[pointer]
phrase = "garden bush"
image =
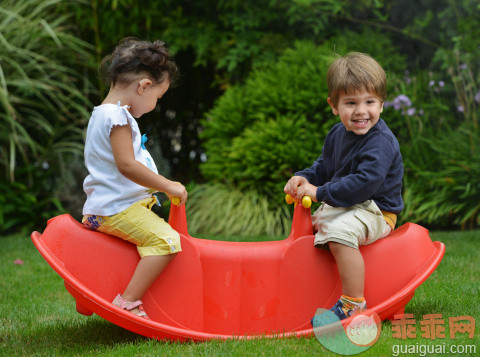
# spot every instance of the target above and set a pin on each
(435, 115)
(281, 109)
(43, 101)
(446, 189)
(218, 209)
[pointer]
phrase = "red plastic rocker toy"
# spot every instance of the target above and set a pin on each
(221, 290)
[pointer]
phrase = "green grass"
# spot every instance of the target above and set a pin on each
(38, 317)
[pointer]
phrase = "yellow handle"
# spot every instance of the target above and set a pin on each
(176, 200)
(289, 199)
(306, 201)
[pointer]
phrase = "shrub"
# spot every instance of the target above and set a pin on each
(424, 110)
(43, 101)
(217, 209)
(271, 126)
(446, 189)
(24, 208)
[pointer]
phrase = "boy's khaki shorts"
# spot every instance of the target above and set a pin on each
(354, 226)
(140, 226)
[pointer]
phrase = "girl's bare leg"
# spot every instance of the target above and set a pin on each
(148, 269)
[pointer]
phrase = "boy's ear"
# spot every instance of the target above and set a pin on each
(334, 109)
(143, 84)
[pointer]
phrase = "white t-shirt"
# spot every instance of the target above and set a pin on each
(108, 191)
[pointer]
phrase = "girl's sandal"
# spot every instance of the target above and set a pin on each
(120, 302)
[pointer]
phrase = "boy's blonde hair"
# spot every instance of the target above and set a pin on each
(353, 72)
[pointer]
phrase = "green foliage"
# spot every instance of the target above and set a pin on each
(42, 105)
(41, 94)
(214, 209)
(268, 152)
(264, 129)
(24, 207)
(373, 42)
(234, 35)
(229, 36)
(418, 106)
(440, 154)
(443, 37)
(15, 203)
(447, 188)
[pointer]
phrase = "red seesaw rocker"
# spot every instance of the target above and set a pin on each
(221, 290)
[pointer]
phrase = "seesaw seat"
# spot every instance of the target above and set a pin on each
(216, 289)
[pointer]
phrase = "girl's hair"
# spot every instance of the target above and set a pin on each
(353, 72)
(133, 58)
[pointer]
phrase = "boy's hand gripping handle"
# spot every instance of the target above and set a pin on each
(306, 201)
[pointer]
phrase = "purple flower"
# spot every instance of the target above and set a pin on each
(460, 108)
(388, 104)
(420, 112)
(441, 83)
(411, 111)
(401, 101)
(477, 97)
(463, 66)
(431, 83)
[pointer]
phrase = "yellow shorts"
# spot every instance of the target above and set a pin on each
(140, 226)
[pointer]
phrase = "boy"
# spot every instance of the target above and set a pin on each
(358, 177)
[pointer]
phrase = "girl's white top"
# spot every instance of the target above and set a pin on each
(108, 191)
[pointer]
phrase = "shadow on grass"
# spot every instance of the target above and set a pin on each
(78, 336)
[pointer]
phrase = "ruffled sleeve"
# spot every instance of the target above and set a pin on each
(117, 117)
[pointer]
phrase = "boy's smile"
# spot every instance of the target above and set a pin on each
(358, 111)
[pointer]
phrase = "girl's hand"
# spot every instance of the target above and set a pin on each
(292, 186)
(176, 189)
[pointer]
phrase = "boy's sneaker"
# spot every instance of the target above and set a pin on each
(341, 311)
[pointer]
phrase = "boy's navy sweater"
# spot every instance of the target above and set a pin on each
(355, 168)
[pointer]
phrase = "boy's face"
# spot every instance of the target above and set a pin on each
(358, 111)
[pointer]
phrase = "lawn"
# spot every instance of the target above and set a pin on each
(38, 317)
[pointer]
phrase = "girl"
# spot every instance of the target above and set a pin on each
(122, 175)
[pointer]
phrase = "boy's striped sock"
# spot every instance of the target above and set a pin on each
(345, 307)
(351, 305)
